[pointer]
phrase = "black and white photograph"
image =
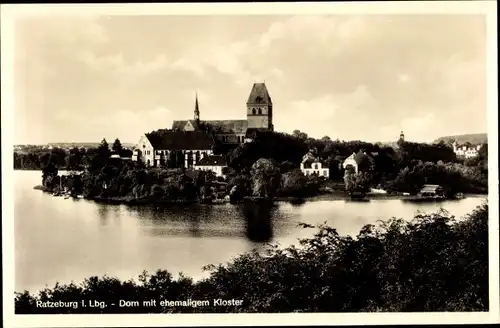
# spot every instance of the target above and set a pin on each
(295, 159)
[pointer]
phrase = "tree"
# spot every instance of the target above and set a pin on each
(74, 159)
(363, 181)
(293, 183)
(265, 178)
(300, 135)
(350, 180)
(49, 172)
(117, 147)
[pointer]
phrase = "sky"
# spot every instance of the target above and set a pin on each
(351, 77)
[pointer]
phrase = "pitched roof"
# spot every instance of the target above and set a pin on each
(427, 188)
(218, 126)
(227, 126)
(359, 158)
(212, 160)
(311, 160)
(180, 140)
(179, 125)
(259, 94)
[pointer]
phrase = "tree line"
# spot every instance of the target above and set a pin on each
(72, 159)
(269, 164)
(404, 168)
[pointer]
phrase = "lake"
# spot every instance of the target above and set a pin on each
(66, 240)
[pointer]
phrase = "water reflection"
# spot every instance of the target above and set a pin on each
(258, 218)
(103, 212)
(194, 220)
(68, 242)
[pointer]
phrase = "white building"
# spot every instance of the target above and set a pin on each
(315, 166)
(466, 150)
(214, 163)
(357, 161)
(154, 148)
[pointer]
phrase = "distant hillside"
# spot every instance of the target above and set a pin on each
(476, 138)
(84, 144)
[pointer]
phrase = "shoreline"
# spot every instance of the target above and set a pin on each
(335, 196)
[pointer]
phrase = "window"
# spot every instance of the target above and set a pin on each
(260, 111)
(315, 166)
(253, 111)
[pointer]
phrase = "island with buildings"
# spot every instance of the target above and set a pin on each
(219, 161)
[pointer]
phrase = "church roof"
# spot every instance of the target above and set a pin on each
(179, 125)
(218, 126)
(180, 140)
(228, 126)
(259, 94)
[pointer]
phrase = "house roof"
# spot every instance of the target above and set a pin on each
(259, 94)
(359, 158)
(312, 160)
(427, 188)
(212, 160)
(180, 140)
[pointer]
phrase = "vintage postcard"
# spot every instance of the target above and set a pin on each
(277, 163)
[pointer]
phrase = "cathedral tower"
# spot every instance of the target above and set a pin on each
(260, 108)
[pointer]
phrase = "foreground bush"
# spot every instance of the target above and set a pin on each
(432, 263)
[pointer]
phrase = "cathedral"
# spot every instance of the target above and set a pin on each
(195, 138)
(259, 118)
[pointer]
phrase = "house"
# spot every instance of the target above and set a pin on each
(188, 147)
(214, 163)
(429, 190)
(359, 161)
(466, 150)
(316, 166)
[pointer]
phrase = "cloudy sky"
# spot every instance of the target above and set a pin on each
(348, 77)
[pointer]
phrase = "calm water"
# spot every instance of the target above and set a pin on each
(65, 240)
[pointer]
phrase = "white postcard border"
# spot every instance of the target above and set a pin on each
(10, 12)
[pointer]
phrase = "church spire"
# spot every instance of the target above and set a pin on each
(196, 109)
